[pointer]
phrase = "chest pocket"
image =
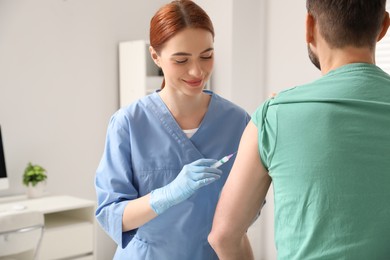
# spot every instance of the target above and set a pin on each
(147, 180)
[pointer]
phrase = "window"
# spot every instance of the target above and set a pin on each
(383, 50)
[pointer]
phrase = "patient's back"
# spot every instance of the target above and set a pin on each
(327, 147)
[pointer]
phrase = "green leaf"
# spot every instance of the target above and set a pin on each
(34, 174)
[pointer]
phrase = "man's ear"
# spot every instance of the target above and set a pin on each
(154, 56)
(385, 26)
(310, 24)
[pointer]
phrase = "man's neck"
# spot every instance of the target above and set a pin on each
(335, 58)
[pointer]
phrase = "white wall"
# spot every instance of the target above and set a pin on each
(238, 50)
(59, 86)
(59, 80)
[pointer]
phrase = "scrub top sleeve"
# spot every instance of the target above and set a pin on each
(247, 118)
(265, 119)
(114, 179)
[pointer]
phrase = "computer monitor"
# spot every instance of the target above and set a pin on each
(4, 184)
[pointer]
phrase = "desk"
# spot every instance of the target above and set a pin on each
(69, 225)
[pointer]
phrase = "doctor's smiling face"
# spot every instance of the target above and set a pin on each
(187, 60)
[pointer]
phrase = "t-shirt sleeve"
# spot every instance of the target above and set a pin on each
(266, 122)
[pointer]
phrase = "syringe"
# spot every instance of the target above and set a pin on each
(222, 161)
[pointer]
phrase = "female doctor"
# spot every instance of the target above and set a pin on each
(156, 190)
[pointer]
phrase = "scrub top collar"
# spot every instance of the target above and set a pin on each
(161, 111)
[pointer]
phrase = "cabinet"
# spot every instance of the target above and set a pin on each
(69, 231)
(138, 75)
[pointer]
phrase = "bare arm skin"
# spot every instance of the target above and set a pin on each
(241, 198)
(137, 212)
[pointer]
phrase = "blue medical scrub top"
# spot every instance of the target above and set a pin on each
(146, 149)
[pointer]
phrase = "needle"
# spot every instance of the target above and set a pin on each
(223, 160)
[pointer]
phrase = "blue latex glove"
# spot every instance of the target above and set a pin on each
(192, 177)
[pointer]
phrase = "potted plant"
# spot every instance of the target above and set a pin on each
(34, 178)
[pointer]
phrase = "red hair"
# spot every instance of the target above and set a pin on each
(174, 17)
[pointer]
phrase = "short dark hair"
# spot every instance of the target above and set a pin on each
(348, 22)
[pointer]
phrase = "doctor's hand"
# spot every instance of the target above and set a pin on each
(192, 177)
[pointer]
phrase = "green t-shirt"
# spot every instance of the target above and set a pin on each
(327, 148)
